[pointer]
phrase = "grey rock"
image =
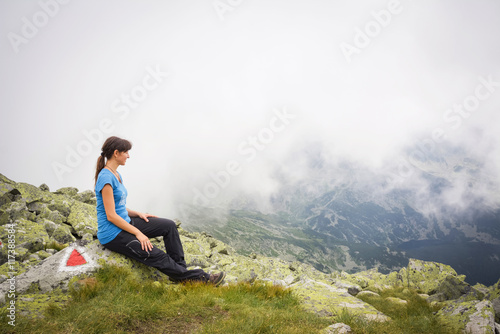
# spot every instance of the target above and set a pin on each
(44, 187)
(86, 239)
(453, 288)
(86, 196)
(37, 207)
(62, 234)
(476, 316)
(10, 212)
(353, 289)
(367, 293)
(496, 306)
(338, 328)
(82, 218)
(70, 191)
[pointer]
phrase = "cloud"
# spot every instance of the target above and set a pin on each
(226, 77)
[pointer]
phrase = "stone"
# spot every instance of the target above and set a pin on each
(352, 289)
(10, 212)
(322, 298)
(37, 207)
(338, 328)
(62, 234)
(86, 239)
(6, 190)
(496, 307)
(30, 193)
(425, 275)
(61, 204)
(453, 287)
(365, 293)
(44, 187)
(423, 295)
(87, 196)
(30, 237)
(494, 296)
(474, 317)
(397, 300)
(83, 219)
(69, 191)
(54, 216)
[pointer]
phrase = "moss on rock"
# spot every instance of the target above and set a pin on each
(473, 316)
(425, 276)
(83, 219)
(327, 300)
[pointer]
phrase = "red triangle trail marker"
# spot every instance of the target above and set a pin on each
(75, 259)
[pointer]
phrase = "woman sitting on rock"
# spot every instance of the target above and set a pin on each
(127, 231)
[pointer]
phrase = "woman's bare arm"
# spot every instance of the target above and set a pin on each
(109, 207)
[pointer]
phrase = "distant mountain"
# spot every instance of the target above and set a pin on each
(344, 216)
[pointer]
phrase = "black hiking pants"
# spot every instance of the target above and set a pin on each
(171, 262)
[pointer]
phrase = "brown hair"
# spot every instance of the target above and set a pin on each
(108, 149)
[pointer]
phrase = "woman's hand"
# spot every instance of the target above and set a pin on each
(145, 216)
(145, 242)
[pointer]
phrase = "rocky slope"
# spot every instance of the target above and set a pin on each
(51, 237)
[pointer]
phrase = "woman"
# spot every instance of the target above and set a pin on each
(127, 231)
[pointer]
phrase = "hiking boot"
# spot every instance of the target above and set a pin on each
(217, 279)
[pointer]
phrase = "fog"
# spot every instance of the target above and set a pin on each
(223, 98)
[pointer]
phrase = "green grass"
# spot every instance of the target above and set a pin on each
(55, 245)
(415, 317)
(115, 301)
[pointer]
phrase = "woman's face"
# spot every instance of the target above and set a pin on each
(121, 157)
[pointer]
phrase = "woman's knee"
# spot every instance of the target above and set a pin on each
(164, 223)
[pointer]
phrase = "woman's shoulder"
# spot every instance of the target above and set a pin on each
(105, 176)
(104, 173)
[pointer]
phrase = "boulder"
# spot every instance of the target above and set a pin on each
(87, 196)
(475, 317)
(353, 289)
(324, 299)
(452, 287)
(69, 191)
(365, 293)
(12, 211)
(44, 187)
(338, 328)
(397, 300)
(496, 307)
(61, 204)
(426, 276)
(30, 193)
(494, 296)
(83, 219)
(55, 216)
(29, 237)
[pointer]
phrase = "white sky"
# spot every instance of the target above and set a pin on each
(231, 65)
